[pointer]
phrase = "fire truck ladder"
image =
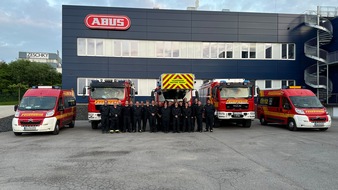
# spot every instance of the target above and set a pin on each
(317, 75)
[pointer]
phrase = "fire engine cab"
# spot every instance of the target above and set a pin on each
(233, 100)
(294, 107)
(44, 109)
(118, 91)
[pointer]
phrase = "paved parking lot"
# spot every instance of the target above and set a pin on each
(260, 157)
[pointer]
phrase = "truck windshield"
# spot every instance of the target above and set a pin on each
(306, 102)
(107, 93)
(235, 92)
(37, 103)
(175, 94)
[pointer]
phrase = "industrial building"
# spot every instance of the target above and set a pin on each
(270, 49)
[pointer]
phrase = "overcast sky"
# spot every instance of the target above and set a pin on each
(35, 25)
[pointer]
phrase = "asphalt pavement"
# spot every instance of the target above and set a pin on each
(231, 158)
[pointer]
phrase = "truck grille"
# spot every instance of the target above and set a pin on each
(316, 119)
(237, 106)
(30, 123)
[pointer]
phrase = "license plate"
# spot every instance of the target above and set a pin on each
(319, 124)
(28, 128)
(237, 115)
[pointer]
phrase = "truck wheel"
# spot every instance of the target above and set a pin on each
(17, 134)
(94, 124)
(323, 129)
(246, 123)
(262, 120)
(72, 124)
(56, 129)
(292, 125)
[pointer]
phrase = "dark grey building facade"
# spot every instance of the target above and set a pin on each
(262, 47)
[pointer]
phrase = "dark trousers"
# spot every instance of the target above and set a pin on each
(152, 123)
(105, 124)
(176, 124)
(126, 124)
(144, 126)
(209, 122)
(165, 125)
(192, 128)
(186, 124)
(199, 123)
(137, 124)
(114, 124)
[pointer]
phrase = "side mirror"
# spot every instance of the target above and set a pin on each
(16, 107)
(61, 108)
(286, 106)
(152, 95)
(136, 92)
(84, 91)
(196, 94)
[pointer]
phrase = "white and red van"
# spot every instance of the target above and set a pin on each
(45, 109)
(294, 107)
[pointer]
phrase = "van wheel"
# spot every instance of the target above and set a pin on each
(17, 134)
(72, 124)
(56, 129)
(262, 120)
(94, 124)
(246, 123)
(292, 125)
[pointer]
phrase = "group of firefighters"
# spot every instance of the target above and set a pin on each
(172, 116)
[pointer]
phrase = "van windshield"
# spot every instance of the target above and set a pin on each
(107, 93)
(37, 103)
(235, 92)
(306, 102)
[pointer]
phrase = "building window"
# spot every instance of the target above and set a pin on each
(252, 51)
(245, 50)
(268, 51)
(206, 50)
(268, 84)
(291, 50)
(184, 50)
(229, 50)
(284, 51)
(117, 48)
(134, 48)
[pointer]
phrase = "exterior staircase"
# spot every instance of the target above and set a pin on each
(316, 75)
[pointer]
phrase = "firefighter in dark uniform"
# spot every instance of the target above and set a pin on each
(209, 111)
(115, 112)
(165, 116)
(176, 113)
(152, 116)
(104, 110)
(126, 114)
(193, 119)
(198, 114)
(145, 115)
(131, 104)
(186, 117)
(137, 110)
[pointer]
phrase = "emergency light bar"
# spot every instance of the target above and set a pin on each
(294, 87)
(53, 87)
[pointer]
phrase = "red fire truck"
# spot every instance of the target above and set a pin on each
(118, 91)
(233, 100)
(174, 86)
(295, 107)
(45, 109)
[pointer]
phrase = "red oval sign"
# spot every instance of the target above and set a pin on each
(107, 22)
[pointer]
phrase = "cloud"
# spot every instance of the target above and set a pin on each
(35, 25)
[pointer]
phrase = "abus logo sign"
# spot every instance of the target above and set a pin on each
(107, 22)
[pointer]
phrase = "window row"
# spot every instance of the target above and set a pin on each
(185, 50)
